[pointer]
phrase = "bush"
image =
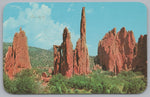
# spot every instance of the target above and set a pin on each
(59, 78)
(76, 91)
(58, 84)
(79, 82)
(9, 85)
(115, 90)
(134, 86)
(97, 89)
(126, 75)
(24, 83)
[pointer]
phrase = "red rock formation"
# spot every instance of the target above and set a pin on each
(57, 59)
(81, 56)
(45, 78)
(67, 54)
(96, 67)
(50, 71)
(17, 57)
(63, 56)
(68, 61)
(116, 51)
(44, 74)
(140, 61)
(75, 64)
(126, 45)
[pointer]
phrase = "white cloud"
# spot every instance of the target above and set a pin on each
(41, 30)
(69, 9)
(71, 4)
(102, 7)
(88, 11)
(14, 6)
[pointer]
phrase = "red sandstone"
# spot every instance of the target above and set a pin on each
(17, 57)
(116, 50)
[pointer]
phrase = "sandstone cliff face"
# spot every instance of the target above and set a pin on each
(116, 50)
(17, 57)
(68, 61)
(57, 59)
(63, 56)
(81, 57)
(67, 54)
(140, 61)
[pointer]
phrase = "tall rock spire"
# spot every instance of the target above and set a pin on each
(68, 61)
(63, 56)
(81, 64)
(83, 25)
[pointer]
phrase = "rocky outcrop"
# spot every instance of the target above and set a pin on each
(116, 50)
(81, 56)
(68, 61)
(126, 47)
(45, 78)
(67, 54)
(50, 71)
(57, 59)
(17, 57)
(97, 67)
(140, 61)
(63, 56)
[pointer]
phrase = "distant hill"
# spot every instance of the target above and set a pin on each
(40, 57)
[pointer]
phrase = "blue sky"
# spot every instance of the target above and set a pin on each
(44, 22)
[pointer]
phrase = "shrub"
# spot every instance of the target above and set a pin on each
(9, 85)
(134, 86)
(53, 90)
(115, 90)
(23, 83)
(97, 89)
(57, 79)
(76, 91)
(58, 84)
(26, 85)
(106, 87)
(79, 82)
(126, 74)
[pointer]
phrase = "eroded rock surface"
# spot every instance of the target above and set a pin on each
(81, 56)
(116, 50)
(63, 56)
(140, 61)
(68, 61)
(17, 57)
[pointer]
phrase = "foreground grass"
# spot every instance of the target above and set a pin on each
(101, 83)
(97, 82)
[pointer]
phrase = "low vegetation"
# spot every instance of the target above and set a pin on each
(99, 83)
(24, 83)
